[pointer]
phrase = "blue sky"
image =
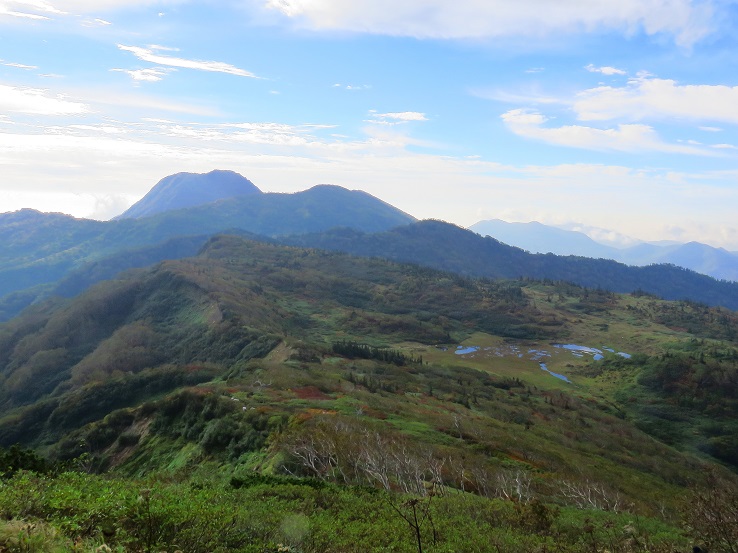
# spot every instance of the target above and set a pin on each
(618, 115)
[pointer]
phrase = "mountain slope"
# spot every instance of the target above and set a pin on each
(40, 249)
(716, 262)
(451, 248)
(277, 357)
(188, 190)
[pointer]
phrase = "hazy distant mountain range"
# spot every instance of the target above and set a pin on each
(43, 255)
(538, 238)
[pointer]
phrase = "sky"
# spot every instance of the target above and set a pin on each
(619, 115)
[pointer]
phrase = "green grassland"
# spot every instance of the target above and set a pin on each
(285, 384)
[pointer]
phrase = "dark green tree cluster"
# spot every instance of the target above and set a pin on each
(355, 350)
(16, 458)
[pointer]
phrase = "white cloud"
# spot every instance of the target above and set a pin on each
(605, 70)
(145, 105)
(687, 20)
(404, 116)
(22, 15)
(523, 118)
(163, 48)
(97, 22)
(647, 98)
(396, 118)
(623, 138)
(148, 54)
(35, 5)
(37, 102)
(352, 86)
(99, 6)
(105, 129)
(152, 75)
(17, 65)
(710, 129)
(28, 9)
(604, 236)
(530, 96)
(268, 134)
(98, 206)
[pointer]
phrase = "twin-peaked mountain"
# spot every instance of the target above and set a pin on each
(42, 255)
(39, 250)
(189, 190)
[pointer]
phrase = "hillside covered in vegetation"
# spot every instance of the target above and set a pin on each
(259, 397)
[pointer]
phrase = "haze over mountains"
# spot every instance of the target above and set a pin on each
(539, 238)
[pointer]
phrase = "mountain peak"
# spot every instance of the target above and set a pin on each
(183, 190)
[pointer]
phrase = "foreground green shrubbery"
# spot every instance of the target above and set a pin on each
(82, 512)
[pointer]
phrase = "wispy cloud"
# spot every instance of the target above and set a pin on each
(686, 20)
(97, 22)
(37, 102)
(28, 9)
(152, 74)
(149, 55)
(522, 96)
(17, 65)
(352, 86)
(649, 98)
(605, 70)
(81, 7)
(21, 15)
(396, 118)
(634, 138)
(161, 48)
(268, 134)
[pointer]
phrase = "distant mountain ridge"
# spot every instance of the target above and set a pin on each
(451, 248)
(536, 237)
(42, 255)
(184, 190)
(539, 238)
(38, 251)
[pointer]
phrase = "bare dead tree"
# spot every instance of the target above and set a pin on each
(711, 514)
(514, 485)
(416, 512)
(591, 495)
